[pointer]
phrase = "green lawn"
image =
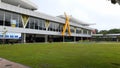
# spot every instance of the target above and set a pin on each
(64, 55)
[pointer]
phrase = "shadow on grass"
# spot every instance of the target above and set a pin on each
(116, 64)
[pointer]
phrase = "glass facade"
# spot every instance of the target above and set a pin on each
(35, 23)
(10, 19)
(89, 32)
(79, 31)
(20, 21)
(32, 23)
(85, 31)
(1, 18)
(72, 29)
(15, 20)
(55, 27)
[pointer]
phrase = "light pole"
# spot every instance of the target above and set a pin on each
(4, 33)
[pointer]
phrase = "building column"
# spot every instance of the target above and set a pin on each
(87, 32)
(23, 38)
(81, 38)
(18, 5)
(63, 38)
(46, 38)
(74, 39)
(117, 39)
(82, 31)
(91, 33)
(88, 39)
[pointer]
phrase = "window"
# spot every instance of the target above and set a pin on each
(57, 27)
(84, 31)
(7, 19)
(28, 24)
(40, 24)
(54, 27)
(32, 24)
(20, 21)
(61, 27)
(50, 27)
(15, 20)
(36, 23)
(43, 25)
(72, 29)
(1, 17)
(78, 31)
(89, 32)
(10, 19)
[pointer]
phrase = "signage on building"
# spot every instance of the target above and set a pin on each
(10, 36)
(13, 23)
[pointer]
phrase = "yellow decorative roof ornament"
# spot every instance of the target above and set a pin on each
(67, 25)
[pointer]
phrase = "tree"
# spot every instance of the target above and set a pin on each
(114, 31)
(103, 32)
(111, 31)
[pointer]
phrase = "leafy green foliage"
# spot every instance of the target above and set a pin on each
(103, 32)
(111, 31)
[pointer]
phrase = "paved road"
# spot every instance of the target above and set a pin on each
(8, 64)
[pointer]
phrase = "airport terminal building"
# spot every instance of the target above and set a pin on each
(20, 21)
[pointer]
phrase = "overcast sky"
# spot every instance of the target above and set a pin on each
(102, 12)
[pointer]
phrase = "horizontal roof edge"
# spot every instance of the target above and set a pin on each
(12, 8)
(23, 3)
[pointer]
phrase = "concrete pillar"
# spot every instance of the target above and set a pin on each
(117, 40)
(87, 32)
(91, 32)
(46, 38)
(0, 0)
(23, 38)
(81, 38)
(75, 30)
(34, 38)
(74, 39)
(18, 5)
(82, 31)
(63, 38)
(88, 39)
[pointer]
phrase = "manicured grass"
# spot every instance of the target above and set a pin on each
(64, 55)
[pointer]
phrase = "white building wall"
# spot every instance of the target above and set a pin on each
(36, 14)
(33, 31)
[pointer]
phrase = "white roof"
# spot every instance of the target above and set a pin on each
(74, 20)
(23, 3)
(106, 34)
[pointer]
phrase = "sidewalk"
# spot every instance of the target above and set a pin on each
(8, 64)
